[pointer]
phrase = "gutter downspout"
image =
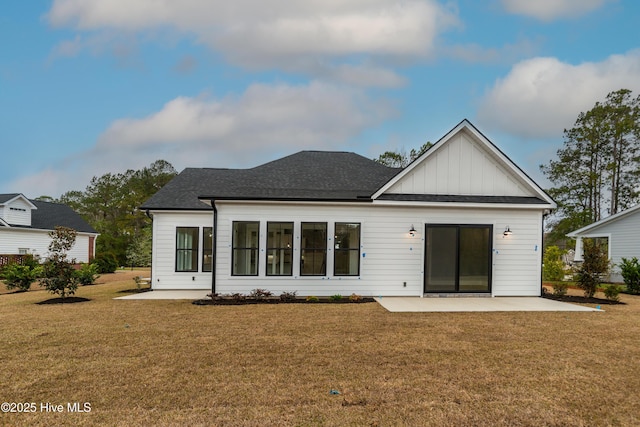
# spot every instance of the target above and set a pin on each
(545, 214)
(215, 244)
(151, 263)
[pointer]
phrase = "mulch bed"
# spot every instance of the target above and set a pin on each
(581, 299)
(67, 300)
(231, 301)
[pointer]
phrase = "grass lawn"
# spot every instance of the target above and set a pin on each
(174, 363)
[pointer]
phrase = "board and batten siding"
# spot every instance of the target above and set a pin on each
(462, 166)
(391, 261)
(37, 242)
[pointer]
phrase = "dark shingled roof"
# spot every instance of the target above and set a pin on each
(49, 215)
(445, 198)
(307, 175)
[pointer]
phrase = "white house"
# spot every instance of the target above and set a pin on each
(25, 225)
(622, 232)
(462, 218)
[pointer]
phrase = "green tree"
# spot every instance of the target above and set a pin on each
(59, 275)
(139, 251)
(597, 171)
(110, 204)
(553, 266)
(400, 159)
(594, 267)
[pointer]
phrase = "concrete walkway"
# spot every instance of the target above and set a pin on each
(417, 304)
(192, 295)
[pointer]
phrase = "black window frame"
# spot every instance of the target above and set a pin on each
(194, 256)
(207, 239)
(280, 249)
(253, 250)
(313, 248)
(338, 249)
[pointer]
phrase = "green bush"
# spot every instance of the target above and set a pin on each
(630, 270)
(336, 297)
(553, 266)
(87, 274)
(560, 288)
(594, 267)
(21, 276)
(59, 276)
(106, 262)
(611, 292)
(312, 298)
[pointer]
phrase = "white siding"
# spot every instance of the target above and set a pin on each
(37, 242)
(461, 166)
(390, 257)
(624, 240)
(19, 215)
(163, 261)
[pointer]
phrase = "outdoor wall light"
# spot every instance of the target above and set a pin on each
(412, 231)
(507, 231)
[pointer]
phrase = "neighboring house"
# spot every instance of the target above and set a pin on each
(462, 218)
(25, 225)
(622, 232)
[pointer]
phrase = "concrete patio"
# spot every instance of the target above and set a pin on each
(417, 304)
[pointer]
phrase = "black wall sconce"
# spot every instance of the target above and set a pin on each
(507, 232)
(412, 231)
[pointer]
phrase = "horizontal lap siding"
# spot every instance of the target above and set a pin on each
(37, 242)
(163, 271)
(392, 258)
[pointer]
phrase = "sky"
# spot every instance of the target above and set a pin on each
(89, 87)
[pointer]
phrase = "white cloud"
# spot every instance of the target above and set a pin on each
(548, 10)
(274, 33)
(541, 97)
(263, 123)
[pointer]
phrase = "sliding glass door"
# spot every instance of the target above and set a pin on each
(458, 258)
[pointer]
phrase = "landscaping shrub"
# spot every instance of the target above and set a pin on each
(594, 267)
(630, 270)
(288, 296)
(59, 276)
(260, 294)
(87, 274)
(553, 266)
(312, 298)
(21, 276)
(611, 292)
(336, 297)
(354, 298)
(106, 262)
(560, 288)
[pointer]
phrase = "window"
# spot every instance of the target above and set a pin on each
(279, 248)
(347, 249)
(245, 248)
(313, 255)
(187, 248)
(23, 251)
(207, 248)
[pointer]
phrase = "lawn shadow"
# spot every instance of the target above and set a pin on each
(67, 300)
